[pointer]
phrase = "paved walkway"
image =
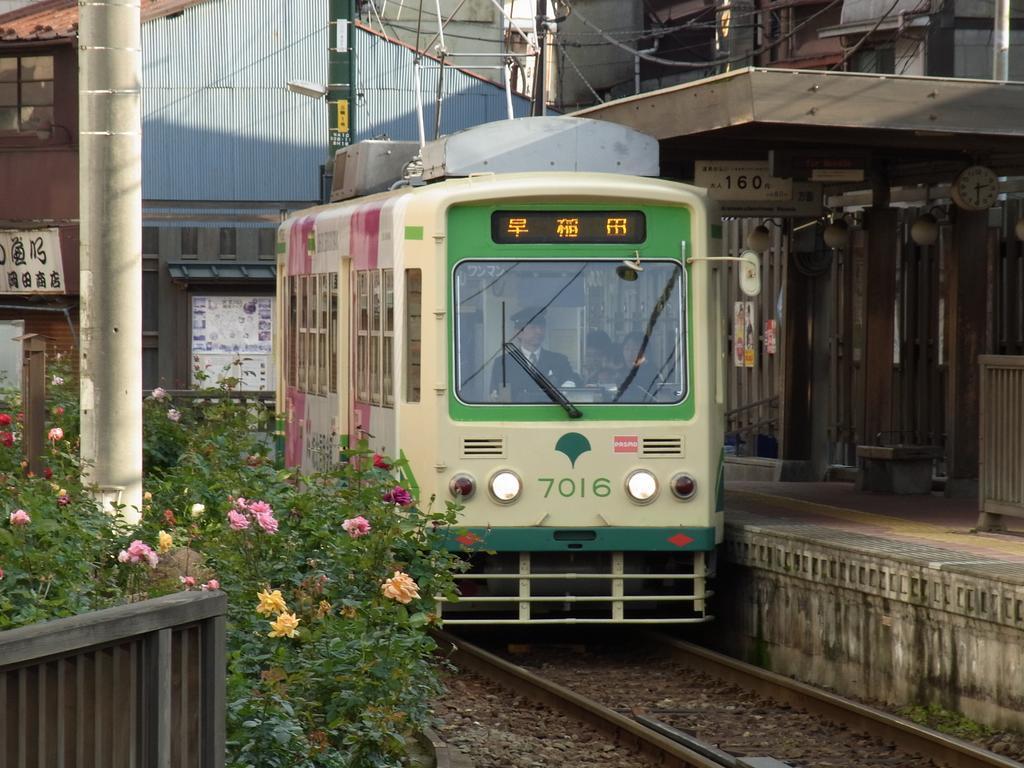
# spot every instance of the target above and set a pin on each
(930, 519)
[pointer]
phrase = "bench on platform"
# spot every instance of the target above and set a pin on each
(901, 469)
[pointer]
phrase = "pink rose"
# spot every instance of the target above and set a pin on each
(56, 433)
(187, 581)
(237, 521)
(20, 517)
(398, 495)
(356, 526)
(159, 393)
(137, 552)
(211, 584)
(266, 521)
(174, 415)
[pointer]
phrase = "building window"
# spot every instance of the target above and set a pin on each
(26, 93)
(189, 242)
(266, 243)
(150, 241)
(228, 242)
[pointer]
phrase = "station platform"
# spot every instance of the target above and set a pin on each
(890, 598)
(928, 521)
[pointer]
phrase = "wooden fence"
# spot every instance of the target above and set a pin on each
(138, 686)
(1001, 470)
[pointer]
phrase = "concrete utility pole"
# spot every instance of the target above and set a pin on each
(1001, 41)
(110, 192)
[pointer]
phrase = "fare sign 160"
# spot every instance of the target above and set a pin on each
(740, 180)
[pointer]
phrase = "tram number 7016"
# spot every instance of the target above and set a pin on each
(569, 487)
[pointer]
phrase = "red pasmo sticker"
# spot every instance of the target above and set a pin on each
(626, 444)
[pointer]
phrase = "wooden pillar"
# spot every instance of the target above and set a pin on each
(33, 398)
(797, 330)
(966, 324)
(879, 303)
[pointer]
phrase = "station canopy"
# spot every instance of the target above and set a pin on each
(907, 130)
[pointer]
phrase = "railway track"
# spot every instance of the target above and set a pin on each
(649, 729)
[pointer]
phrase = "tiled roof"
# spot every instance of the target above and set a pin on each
(58, 19)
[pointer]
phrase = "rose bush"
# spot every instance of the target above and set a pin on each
(331, 579)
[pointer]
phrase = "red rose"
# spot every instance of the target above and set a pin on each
(379, 463)
(7, 438)
(47, 473)
(5, 420)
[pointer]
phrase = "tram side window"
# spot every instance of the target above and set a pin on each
(333, 333)
(362, 336)
(322, 327)
(375, 324)
(375, 337)
(413, 326)
(292, 337)
(388, 337)
(304, 351)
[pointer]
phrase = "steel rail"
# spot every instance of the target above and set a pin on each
(667, 753)
(945, 750)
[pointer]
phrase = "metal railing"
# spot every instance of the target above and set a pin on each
(137, 686)
(1001, 438)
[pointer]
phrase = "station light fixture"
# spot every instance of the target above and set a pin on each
(837, 234)
(759, 238)
(307, 88)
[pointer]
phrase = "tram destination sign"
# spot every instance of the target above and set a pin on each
(568, 227)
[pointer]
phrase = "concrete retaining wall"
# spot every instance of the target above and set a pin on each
(873, 626)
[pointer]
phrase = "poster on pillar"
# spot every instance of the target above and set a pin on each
(749, 338)
(231, 337)
(743, 334)
(30, 262)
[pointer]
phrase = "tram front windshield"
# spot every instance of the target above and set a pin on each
(589, 331)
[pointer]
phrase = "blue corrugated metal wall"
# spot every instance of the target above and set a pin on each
(219, 123)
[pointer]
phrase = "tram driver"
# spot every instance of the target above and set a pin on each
(530, 327)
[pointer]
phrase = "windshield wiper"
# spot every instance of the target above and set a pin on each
(541, 380)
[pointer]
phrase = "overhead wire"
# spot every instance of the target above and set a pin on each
(864, 38)
(576, 69)
(710, 62)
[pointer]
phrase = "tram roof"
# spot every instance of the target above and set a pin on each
(914, 129)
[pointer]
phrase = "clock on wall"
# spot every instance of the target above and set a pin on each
(976, 188)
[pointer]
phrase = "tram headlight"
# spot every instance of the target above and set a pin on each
(684, 486)
(642, 486)
(506, 486)
(462, 486)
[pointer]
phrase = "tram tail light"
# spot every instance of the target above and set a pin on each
(684, 486)
(462, 486)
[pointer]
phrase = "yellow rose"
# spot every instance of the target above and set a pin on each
(286, 625)
(401, 587)
(271, 602)
(164, 542)
(323, 609)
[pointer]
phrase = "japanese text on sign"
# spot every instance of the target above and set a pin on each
(740, 180)
(568, 227)
(30, 261)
